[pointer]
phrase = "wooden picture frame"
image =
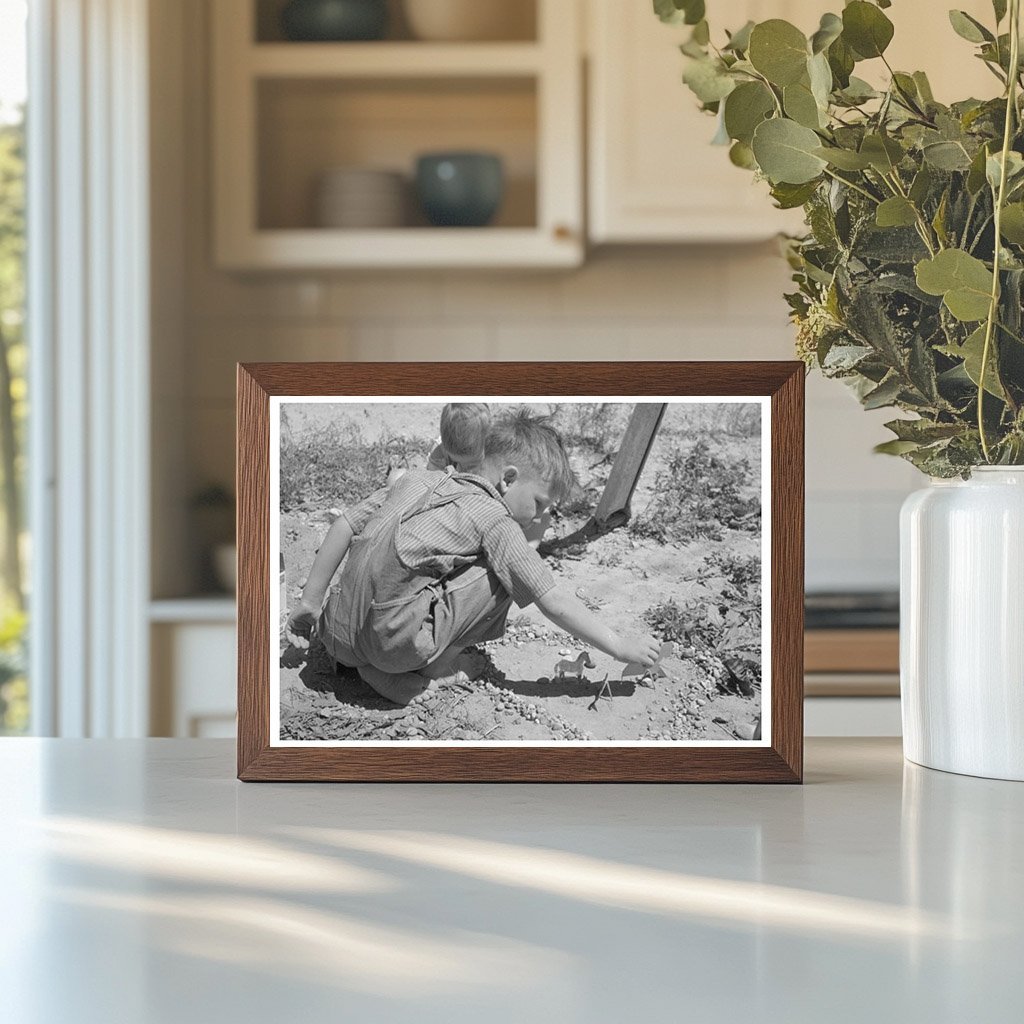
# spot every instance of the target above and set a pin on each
(779, 386)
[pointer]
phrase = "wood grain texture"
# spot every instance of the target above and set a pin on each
(782, 762)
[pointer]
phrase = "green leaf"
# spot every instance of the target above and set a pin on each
(745, 108)
(895, 447)
(1012, 224)
(971, 352)
(857, 91)
(999, 6)
(885, 394)
(939, 220)
(778, 50)
(946, 156)
(896, 212)
(841, 60)
(676, 12)
(963, 281)
(820, 76)
(789, 197)
(800, 105)
(844, 159)
(721, 137)
(924, 88)
(785, 152)
(923, 431)
(701, 33)
(742, 155)
(883, 153)
(739, 41)
(866, 29)
(830, 29)
(1014, 169)
(976, 175)
(969, 28)
(921, 186)
(708, 81)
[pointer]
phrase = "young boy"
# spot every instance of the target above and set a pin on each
(436, 562)
(464, 427)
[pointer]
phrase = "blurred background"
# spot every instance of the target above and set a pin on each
(246, 180)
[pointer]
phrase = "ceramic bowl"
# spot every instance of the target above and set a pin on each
(460, 189)
(357, 197)
(471, 20)
(334, 20)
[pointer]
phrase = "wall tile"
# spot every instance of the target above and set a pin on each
(443, 342)
(647, 284)
(412, 296)
(215, 347)
(211, 448)
(557, 341)
(213, 293)
(499, 297)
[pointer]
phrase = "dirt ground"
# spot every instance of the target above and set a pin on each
(709, 690)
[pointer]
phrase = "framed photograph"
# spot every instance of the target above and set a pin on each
(518, 572)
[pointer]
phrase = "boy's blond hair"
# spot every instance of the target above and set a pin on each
(529, 442)
(464, 427)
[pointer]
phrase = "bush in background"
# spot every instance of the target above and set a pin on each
(698, 496)
(335, 466)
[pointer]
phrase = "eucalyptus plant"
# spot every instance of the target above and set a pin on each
(909, 281)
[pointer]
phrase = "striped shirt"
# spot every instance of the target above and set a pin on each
(476, 525)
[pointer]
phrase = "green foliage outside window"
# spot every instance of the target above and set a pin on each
(13, 413)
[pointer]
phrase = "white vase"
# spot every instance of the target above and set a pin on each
(962, 624)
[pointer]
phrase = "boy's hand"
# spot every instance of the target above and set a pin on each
(299, 626)
(643, 651)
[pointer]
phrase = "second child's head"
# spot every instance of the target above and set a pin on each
(464, 427)
(526, 457)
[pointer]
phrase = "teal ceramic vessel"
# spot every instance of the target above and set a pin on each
(461, 190)
(333, 21)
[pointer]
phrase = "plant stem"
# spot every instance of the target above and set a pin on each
(993, 309)
(850, 184)
(922, 225)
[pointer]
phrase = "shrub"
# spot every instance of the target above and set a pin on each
(335, 466)
(597, 426)
(699, 495)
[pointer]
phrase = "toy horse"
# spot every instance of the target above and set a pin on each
(575, 667)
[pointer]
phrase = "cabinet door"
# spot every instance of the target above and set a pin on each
(654, 175)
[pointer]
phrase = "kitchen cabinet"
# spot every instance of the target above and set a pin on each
(653, 175)
(192, 653)
(287, 113)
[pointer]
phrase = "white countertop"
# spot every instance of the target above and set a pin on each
(143, 884)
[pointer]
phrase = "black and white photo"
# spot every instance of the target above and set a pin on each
(530, 571)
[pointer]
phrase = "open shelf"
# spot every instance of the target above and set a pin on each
(520, 17)
(393, 60)
(287, 113)
(308, 127)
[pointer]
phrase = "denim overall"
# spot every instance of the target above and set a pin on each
(397, 614)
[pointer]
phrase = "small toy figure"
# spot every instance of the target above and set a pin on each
(574, 667)
(646, 676)
(604, 692)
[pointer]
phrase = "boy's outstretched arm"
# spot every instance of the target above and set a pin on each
(325, 565)
(568, 612)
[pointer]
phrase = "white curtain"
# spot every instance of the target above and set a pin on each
(88, 319)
